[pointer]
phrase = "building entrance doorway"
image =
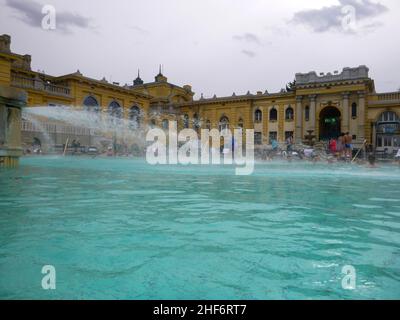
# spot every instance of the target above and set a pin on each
(329, 123)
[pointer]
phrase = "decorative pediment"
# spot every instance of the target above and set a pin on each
(330, 103)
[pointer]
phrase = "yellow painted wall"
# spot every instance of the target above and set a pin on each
(235, 108)
(5, 71)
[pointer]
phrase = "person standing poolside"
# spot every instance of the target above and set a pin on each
(397, 157)
(340, 145)
(289, 143)
(275, 145)
(348, 140)
(333, 146)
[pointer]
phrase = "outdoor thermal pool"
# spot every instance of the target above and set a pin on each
(122, 229)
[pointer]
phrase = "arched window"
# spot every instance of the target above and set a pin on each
(223, 123)
(307, 113)
(273, 115)
(258, 138)
(258, 116)
(115, 110)
(196, 122)
(354, 110)
(186, 121)
(165, 123)
(289, 114)
(90, 104)
(134, 117)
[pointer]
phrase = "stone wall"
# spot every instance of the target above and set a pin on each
(11, 102)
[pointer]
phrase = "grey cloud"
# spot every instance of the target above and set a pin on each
(30, 12)
(248, 37)
(250, 54)
(330, 18)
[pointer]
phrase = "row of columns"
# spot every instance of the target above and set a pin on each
(361, 116)
(299, 116)
(345, 115)
(299, 120)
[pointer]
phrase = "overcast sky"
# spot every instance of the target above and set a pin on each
(217, 46)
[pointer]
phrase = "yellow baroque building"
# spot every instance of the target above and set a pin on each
(320, 106)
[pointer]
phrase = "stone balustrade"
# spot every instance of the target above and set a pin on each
(389, 96)
(38, 84)
(28, 126)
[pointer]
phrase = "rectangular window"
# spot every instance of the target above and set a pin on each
(379, 142)
(387, 141)
(307, 113)
(273, 135)
(354, 110)
(396, 142)
(288, 134)
(257, 138)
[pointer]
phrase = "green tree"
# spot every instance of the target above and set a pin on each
(291, 86)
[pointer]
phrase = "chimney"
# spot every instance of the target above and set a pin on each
(5, 43)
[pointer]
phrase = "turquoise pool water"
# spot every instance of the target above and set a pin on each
(122, 229)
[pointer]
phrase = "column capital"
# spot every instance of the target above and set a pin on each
(346, 95)
(299, 98)
(361, 94)
(312, 97)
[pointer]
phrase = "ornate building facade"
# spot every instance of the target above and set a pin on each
(320, 106)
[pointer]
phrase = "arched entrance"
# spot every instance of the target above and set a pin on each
(329, 123)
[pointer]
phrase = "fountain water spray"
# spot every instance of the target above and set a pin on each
(101, 124)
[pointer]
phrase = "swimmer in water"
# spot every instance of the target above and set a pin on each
(372, 161)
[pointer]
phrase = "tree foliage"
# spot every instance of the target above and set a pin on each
(291, 86)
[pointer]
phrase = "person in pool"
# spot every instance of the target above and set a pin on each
(348, 140)
(372, 161)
